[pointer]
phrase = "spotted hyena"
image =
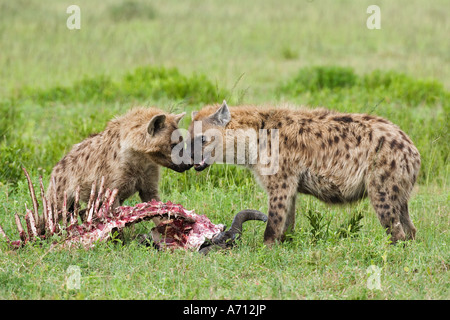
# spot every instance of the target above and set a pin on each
(336, 157)
(128, 154)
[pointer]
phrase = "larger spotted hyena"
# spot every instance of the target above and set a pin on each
(128, 154)
(336, 157)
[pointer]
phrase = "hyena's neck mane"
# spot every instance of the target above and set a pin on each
(248, 117)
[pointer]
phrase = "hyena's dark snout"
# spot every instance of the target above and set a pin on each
(181, 167)
(196, 152)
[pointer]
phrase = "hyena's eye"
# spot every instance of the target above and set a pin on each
(203, 139)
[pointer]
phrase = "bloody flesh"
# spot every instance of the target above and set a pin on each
(180, 228)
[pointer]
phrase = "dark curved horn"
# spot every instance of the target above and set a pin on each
(245, 215)
(206, 249)
(226, 239)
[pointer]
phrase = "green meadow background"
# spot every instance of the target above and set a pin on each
(58, 86)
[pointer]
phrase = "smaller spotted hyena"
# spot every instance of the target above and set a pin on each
(336, 157)
(128, 154)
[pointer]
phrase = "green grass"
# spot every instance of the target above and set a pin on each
(58, 86)
(303, 268)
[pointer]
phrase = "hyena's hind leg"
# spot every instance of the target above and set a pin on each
(406, 222)
(390, 202)
(391, 176)
(387, 212)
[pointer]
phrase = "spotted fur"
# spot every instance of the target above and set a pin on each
(336, 157)
(128, 154)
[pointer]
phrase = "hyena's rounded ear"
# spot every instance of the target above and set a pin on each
(156, 124)
(180, 116)
(222, 116)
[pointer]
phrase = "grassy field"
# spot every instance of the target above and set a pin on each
(57, 86)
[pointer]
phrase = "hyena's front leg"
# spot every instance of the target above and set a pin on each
(148, 194)
(290, 219)
(282, 195)
(148, 185)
